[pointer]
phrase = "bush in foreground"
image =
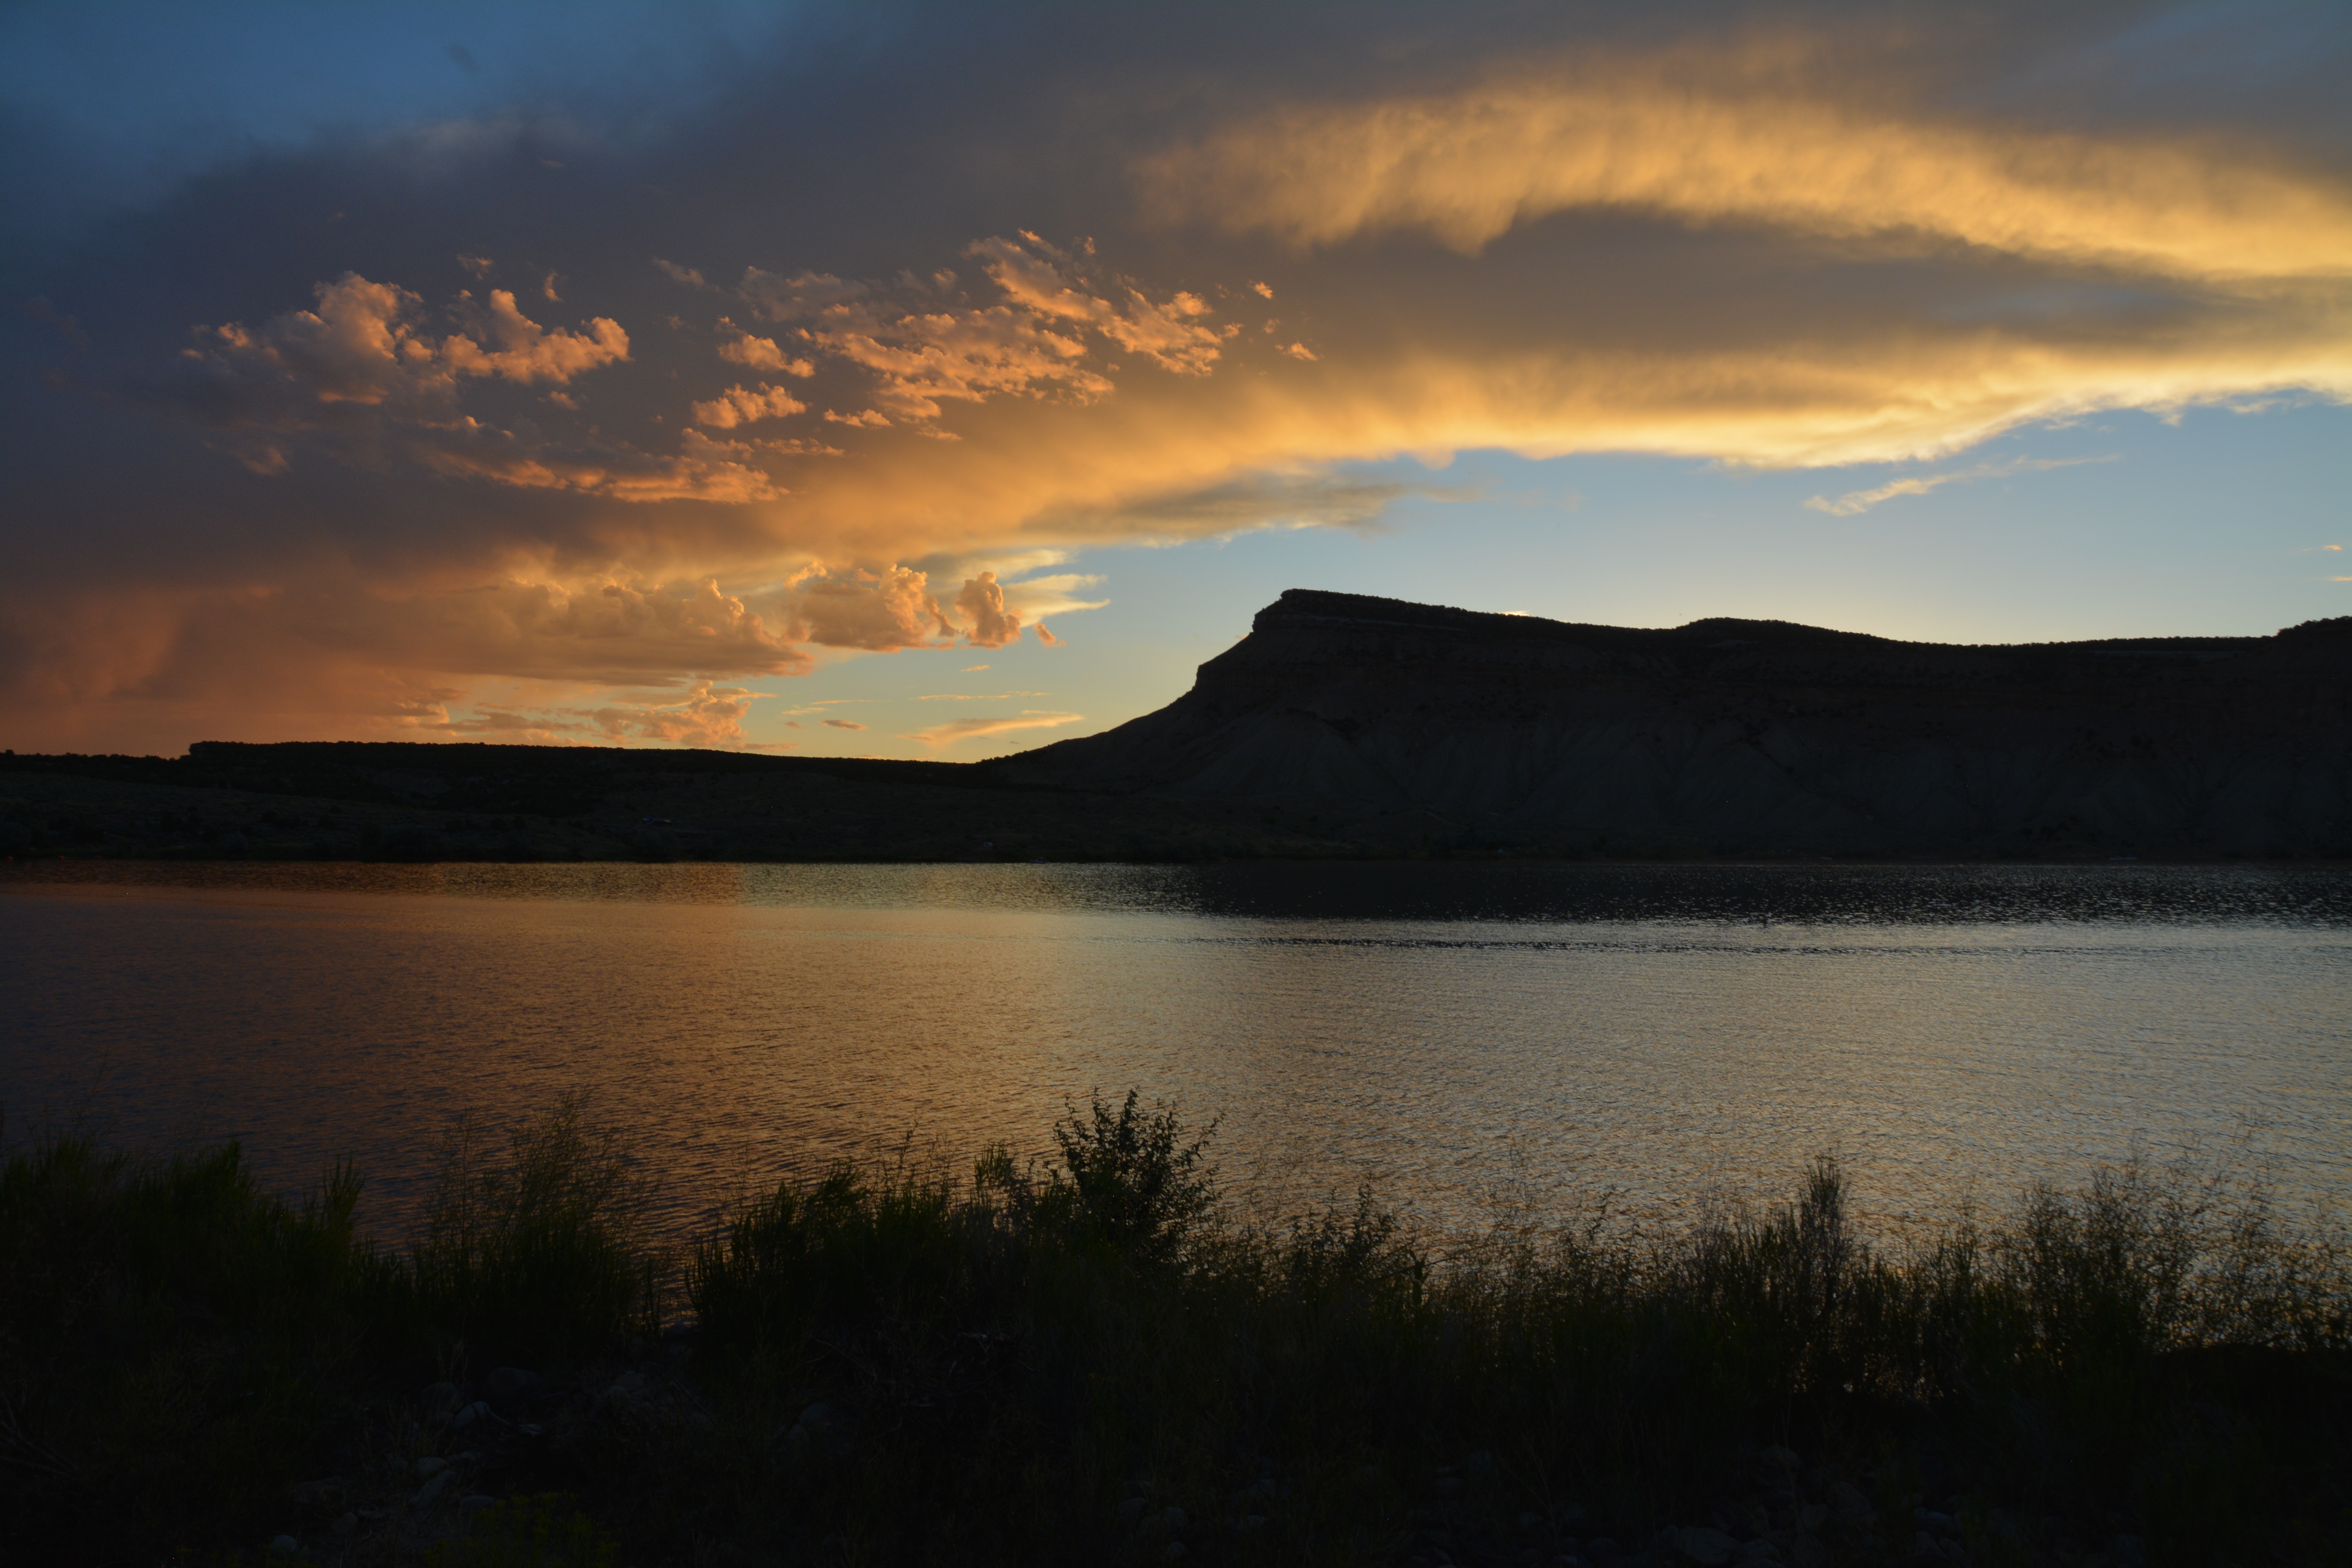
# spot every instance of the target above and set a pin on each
(1094, 1360)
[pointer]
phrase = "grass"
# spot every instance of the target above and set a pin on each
(1095, 1359)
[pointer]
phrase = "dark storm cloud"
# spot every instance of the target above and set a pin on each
(596, 389)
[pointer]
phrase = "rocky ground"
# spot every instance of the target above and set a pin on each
(427, 1475)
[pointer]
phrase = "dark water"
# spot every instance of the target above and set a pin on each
(1672, 1034)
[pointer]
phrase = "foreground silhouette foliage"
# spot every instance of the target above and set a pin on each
(1094, 1358)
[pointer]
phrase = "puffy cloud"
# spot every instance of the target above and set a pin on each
(505, 342)
(882, 609)
(879, 609)
(957, 729)
(1046, 281)
(740, 405)
(923, 342)
(361, 348)
(761, 353)
(988, 622)
(361, 368)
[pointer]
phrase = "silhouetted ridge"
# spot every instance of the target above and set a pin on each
(1391, 723)
(1306, 608)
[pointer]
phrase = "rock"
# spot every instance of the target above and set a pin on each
(1782, 1459)
(1529, 1520)
(475, 1502)
(346, 1524)
(285, 1546)
(1751, 1553)
(512, 1390)
(432, 1490)
(439, 1398)
(1850, 1500)
(1173, 1519)
(310, 1494)
(478, 1411)
(1480, 1465)
(1812, 1515)
(1254, 1521)
(818, 1417)
(1696, 1543)
(1603, 1549)
(1172, 1551)
(1131, 1510)
(430, 1465)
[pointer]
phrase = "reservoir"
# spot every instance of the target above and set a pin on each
(1469, 1039)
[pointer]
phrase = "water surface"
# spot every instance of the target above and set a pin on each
(1670, 1035)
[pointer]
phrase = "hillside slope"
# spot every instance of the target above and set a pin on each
(1388, 724)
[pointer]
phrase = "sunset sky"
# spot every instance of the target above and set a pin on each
(943, 380)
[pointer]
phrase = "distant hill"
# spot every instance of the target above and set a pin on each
(1387, 724)
(1344, 725)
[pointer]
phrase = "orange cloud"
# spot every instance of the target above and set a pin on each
(1737, 145)
(990, 624)
(737, 406)
(362, 347)
(759, 354)
(708, 471)
(959, 729)
(922, 344)
(508, 344)
(710, 716)
(880, 610)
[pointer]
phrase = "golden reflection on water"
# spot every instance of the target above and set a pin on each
(1456, 1039)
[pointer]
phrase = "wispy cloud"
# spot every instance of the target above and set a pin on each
(1855, 501)
(974, 697)
(956, 730)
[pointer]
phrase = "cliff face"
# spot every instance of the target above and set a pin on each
(1393, 723)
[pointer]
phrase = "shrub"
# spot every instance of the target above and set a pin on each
(542, 1254)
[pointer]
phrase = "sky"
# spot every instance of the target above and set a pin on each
(934, 381)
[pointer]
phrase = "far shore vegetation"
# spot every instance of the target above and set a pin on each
(1097, 1358)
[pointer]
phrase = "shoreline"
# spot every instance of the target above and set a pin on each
(1090, 1358)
